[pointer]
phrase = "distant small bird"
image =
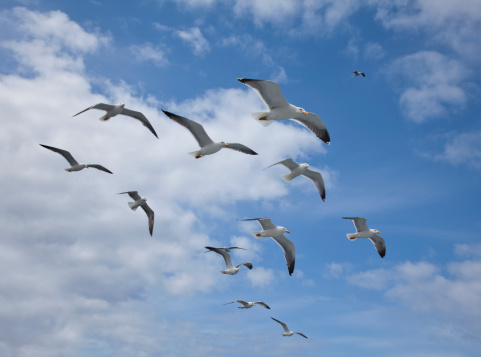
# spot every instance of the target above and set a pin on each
(75, 165)
(280, 109)
(356, 73)
(230, 269)
(113, 110)
(362, 231)
(207, 146)
(276, 233)
(142, 202)
(288, 332)
(302, 169)
(227, 249)
(248, 305)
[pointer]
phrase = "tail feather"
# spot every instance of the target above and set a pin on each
(258, 115)
(287, 177)
(351, 236)
(104, 117)
(255, 233)
(132, 206)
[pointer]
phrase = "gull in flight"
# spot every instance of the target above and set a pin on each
(207, 146)
(362, 231)
(302, 169)
(248, 305)
(227, 249)
(75, 165)
(113, 110)
(288, 332)
(280, 109)
(356, 73)
(230, 269)
(142, 202)
(276, 233)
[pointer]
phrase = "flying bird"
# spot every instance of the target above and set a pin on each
(288, 332)
(356, 73)
(142, 202)
(276, 233)
(113, 110)
(227, 249)
(280, 109)
(362, 231)
(75, 165)
(230, 269)
(207, 146)
(302, 169)
(248, 305)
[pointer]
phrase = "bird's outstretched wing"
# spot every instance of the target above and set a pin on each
(289, 163)
(318, 181)
(315, 124)
(150, 215)
(379, 244)
(289, 251)
(101, 106)
(270, 92)
(225, 255)
(133, 194)
(64, 153)
(265, 223)
(241, 148)
(141, 117)
(282, 323)
(100, 167)
(195, 128)
(359, 223)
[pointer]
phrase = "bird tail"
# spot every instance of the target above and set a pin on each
(287, 177)
(261, 117)
(351, 236)
(257, 234)
(104, 117)
(132, 206)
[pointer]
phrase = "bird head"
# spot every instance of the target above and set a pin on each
(85, 166)
(284, 229)
(226, 145)
(375, 231)
(303, 111)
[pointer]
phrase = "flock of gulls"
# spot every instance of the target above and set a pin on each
(279, 109)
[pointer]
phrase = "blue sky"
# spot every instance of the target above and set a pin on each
(80, 273)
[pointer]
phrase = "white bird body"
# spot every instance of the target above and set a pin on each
(209, 149)
(300, 170)
(134, 205)
(356, 73)
(362, 231)
(77, 167)
(116, 109)
(271, 232)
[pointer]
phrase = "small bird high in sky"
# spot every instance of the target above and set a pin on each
(248, 305)
(356, 73)
(141, 202)
(230, 269)
(280, 109)
(288, 332)
(75, 165)
(113, 110)
(362, 231)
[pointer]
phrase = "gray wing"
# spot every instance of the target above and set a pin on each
(260, 303)
(99, 167)
(282, 323)
(229, 248)
(100, 106)
(359, 223)
(133, 194)
(318, 181)
(150, 214)
(239, 301)
(141, 117)
(241, 148)
(315, 124)
(379, 244)
(289, 163)
(264, 222)
(270, 92)
(225, 255)
(289, 251)
(301, 334)
(195, 128)
(247, 264)
(64, 153)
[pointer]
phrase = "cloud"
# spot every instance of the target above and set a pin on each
(463, 149)
(147, 52)
(194, 38)
(433, 85)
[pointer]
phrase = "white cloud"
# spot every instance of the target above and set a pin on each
(194, 38)
(434, 85)
(147, 52)
(463, 149)
(373, 50)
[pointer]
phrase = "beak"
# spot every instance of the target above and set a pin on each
(305, 113)
(288, 232)
(86, 166)
(227, 145)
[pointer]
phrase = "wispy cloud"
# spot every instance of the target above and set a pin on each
(194, 38)
(147, 52)
(463, 149)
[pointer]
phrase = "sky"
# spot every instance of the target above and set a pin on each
(80, 274)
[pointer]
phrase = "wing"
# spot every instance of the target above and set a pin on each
(195, 128)
(315, 124)
(247, 264)
(64, 153)
(141, 117)
(151, 215)
(260, 303)
(224, 254)
(289, 163)
(241, 148)
(289, 251)
(264, 222)
(362, 74)
(99, 167)
(269, 91)
(316, 178)
(282, 323)
(133, 194)
(359, 223)
(100, 106)
(301, 334)
(229, 248)
(379, 244)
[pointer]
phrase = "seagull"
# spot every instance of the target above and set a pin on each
(356, 73)
(230, 269)
(279, 109)
(302, 169)
(362, 231)
(248, 305)
(276, 233)
(142, 202)
(288, 332)
(113, 110)
(227, 249)
(207, 146)
(75, 165)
